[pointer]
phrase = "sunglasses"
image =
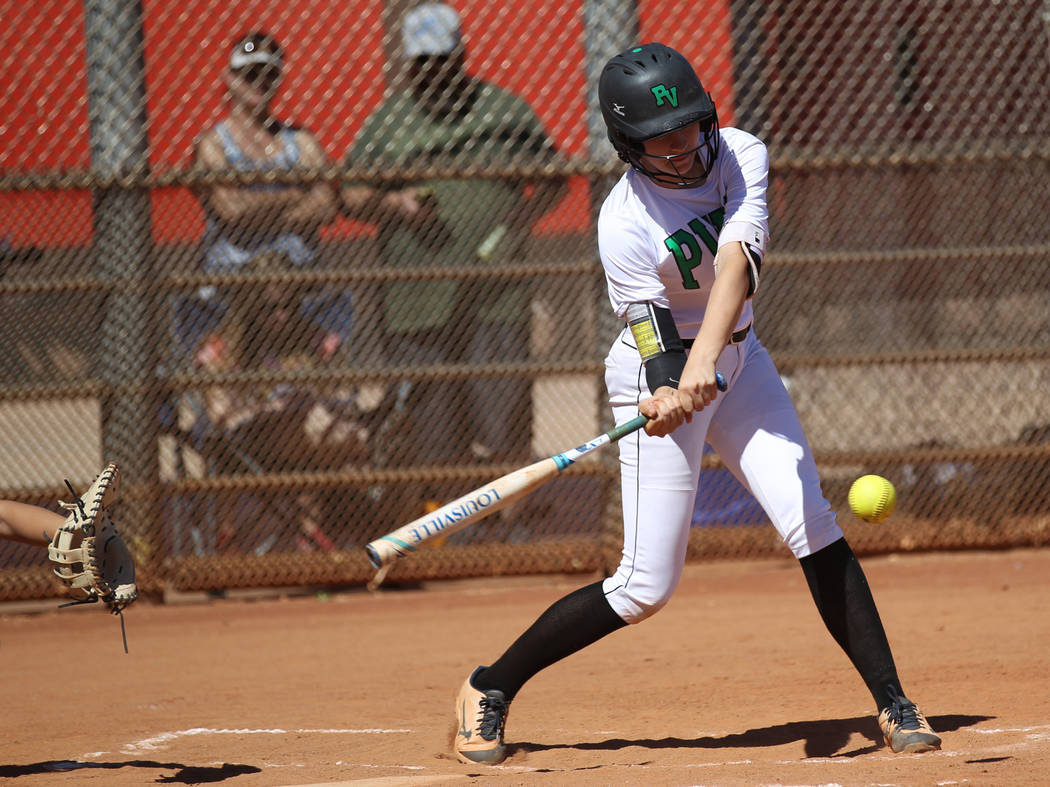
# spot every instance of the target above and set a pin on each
(260, 75)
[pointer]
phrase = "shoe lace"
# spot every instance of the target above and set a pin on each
(493, 712)
(904, 713)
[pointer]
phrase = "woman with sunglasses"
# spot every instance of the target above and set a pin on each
(266, 229)
(247, 221)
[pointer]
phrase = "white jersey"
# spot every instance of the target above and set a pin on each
(658, 244)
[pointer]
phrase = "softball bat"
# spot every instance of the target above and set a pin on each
(491, 497)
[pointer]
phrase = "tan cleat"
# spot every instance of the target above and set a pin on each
(906, 729)
(482, 716)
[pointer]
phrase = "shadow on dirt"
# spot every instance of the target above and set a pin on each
(822, 738)
(185, 774)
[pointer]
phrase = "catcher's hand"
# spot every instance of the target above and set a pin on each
(88, 552)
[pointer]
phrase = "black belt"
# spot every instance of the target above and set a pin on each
(736, 338)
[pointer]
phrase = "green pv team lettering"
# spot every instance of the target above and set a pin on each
(685, 245)
(662, 93)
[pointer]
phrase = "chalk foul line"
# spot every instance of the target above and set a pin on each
(157, 741)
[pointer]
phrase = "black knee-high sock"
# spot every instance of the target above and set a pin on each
(844, 600)
(569, 624)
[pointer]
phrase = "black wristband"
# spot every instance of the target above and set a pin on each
(664, 369)
(661, 348)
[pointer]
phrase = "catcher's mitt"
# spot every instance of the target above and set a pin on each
(88, 552)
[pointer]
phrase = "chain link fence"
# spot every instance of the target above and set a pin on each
(308, 270)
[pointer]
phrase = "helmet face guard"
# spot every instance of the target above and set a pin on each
(700, 159)
(649, 91)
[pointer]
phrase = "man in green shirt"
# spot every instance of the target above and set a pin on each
(448, 119)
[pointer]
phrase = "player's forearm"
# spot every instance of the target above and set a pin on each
(723, 307)
(28, 524)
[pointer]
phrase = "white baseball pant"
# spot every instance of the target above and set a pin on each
(755, 430)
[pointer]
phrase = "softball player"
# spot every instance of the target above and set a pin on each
(681, 237)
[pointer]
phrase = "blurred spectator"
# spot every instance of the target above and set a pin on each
(263, 224)
(268, 230)
(44, 346)
(245, 223)
(444, 117)
(277, 427)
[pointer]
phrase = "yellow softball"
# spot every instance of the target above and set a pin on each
(872, 498)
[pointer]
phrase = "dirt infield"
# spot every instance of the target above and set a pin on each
(736, 682)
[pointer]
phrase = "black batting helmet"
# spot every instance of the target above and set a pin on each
(651, 90)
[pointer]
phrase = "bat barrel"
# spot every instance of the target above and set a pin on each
(373, 557)
(490, 498)
(463, 511)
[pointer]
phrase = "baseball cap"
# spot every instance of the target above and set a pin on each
(256, 49)
(430, 29)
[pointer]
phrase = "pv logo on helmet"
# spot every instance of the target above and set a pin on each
(661, 94)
